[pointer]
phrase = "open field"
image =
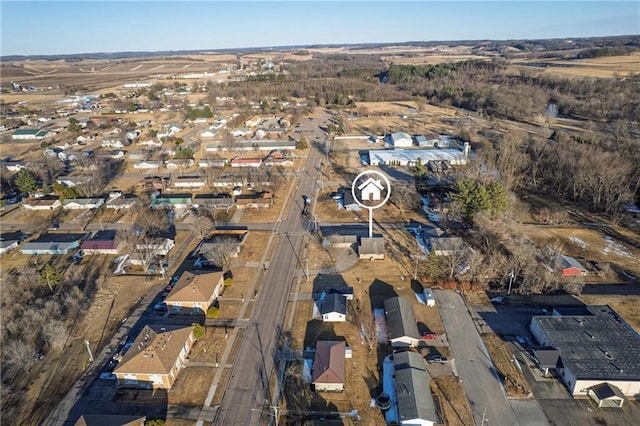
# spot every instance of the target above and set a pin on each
(602, 67)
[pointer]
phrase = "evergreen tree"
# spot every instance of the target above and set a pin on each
(25, 181)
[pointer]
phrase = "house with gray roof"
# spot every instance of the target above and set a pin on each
(596, 346)
(413, 394)
(401, 323)
(334, 308)
(371, 248)
(53, 244)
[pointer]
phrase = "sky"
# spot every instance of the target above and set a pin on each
(53, 27)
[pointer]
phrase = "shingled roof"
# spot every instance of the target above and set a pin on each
(154, 351)
(195, 287)
(328, 365)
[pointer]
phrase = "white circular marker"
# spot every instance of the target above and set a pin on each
(370, 189)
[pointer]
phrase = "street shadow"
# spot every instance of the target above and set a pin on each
(379, 291)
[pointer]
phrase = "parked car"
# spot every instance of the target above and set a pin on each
(498, 300)
(427, 335)
(160, 307)
(433, 358)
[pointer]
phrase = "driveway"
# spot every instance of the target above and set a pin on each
(473, 364)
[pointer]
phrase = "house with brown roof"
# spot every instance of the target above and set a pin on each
(328, 370)
(42, 203)
(155, 358)
(194, 292)
(110, 420)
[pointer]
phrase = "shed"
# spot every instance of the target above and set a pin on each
(606, 395)
(569, 266)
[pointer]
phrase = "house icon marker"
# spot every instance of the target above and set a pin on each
(370, 190)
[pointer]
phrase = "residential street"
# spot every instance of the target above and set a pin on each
(481, 383)
(248, 387)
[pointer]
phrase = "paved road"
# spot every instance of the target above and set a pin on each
(473, 364)
(248, 387)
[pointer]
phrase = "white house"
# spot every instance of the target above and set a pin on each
(207, 134)
(147, 164)
(43, 203)
(82, 203)
(174, 164)
(150, 142)
(415, 405)
(334, 308)
(112, 143)
(189, 182)
(160, 246)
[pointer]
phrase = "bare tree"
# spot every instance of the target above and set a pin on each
(153, 222)
(221, 253)
(364, 321)
(19, 354)
(404, 197)
(202, 225)
(55, 333)
(146, 251)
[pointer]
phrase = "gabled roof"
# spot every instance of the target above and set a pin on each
(82, 201)
(401, 320)
(448, 244)
(328, 364)
(371, 245)
(334, 302)
(412, 388)
(570, 262)
(154, 351)
(195, 287)
(110, 420)
(607, 390)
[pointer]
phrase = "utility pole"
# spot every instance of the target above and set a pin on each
(86, 343)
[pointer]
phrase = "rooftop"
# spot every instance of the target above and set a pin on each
(329, 362)
(455, 156)
(412, 388)
(154, 351)
(600, 346)
(194, 287)
(400, 318)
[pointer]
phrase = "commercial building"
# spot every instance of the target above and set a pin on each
(595, 345)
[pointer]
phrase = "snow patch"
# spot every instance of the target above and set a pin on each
(306, 370)
(389, 387)
(381, 325)
(579, 242)
(615, 248)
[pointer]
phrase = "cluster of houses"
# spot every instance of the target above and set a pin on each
(408, 382)
(159, 352)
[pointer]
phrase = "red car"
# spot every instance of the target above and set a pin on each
(427, 335)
